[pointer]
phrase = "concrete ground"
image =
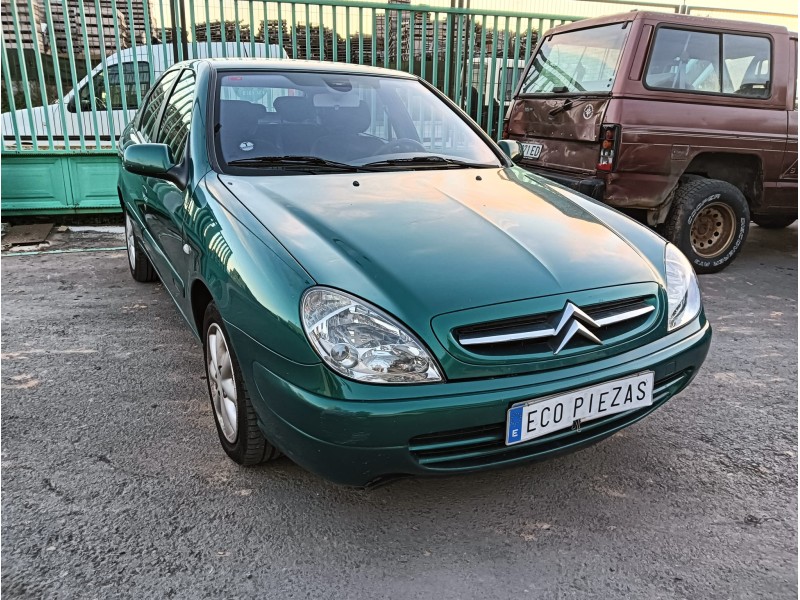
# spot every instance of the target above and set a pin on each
(114, 483)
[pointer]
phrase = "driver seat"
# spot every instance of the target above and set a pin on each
(345, 139)
(238, 133)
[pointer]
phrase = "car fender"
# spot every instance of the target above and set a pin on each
(255, 283)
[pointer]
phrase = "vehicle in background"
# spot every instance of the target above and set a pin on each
(113, 93)
(490, 84)
(687, 123)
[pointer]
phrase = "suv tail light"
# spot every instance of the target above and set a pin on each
(609, 144)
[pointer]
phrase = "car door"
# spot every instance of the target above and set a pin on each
(163, 201)
(138, 189)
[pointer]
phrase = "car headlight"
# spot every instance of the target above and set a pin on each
(683, 293)
(362, 342)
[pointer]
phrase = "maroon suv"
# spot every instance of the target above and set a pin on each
(687, 123)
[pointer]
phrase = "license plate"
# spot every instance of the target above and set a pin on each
(531, 150)
(535, 418)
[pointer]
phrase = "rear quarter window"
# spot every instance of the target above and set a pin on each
(684, 60)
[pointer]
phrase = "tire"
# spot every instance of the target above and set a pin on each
(708, 221)
(234, 416)
(774, 221)
(138, 263)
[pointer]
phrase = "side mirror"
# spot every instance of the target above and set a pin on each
(71, 104)
(511, 149)
(147, 159)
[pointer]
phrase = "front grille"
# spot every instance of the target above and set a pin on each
(485, 445)
(540, 329)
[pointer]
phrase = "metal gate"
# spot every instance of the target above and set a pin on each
(74, 71)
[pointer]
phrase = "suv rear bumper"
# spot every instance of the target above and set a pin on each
(592, 186)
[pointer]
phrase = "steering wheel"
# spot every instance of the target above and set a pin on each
(401, 145)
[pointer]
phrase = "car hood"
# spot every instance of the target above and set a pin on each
(437, 241)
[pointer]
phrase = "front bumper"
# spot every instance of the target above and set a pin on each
(589, 186)
(452, 427)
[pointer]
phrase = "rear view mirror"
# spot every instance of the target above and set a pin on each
(147, 159)
(511, 149)
(336, 100)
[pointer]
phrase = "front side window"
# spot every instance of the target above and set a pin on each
(348, 119)
(699, 61)
(581, 61)
(148, 121)
(174, 130)
(118, 86)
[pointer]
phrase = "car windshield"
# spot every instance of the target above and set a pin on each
(582, 61)
(312, 121)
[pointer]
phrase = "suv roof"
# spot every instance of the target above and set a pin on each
(666, 17)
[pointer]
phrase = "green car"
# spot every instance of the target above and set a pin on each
(378, 289)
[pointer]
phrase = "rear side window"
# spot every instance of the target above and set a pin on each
(746, 65)
(712, 63)
(149, 118)
(174, 130)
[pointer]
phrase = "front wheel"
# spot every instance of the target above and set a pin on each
(234, 415)
(708, 221)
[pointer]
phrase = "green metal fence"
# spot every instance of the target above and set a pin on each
(125, 45)
(75, 71)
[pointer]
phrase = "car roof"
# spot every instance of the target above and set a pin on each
(672, 18)
(288, 64)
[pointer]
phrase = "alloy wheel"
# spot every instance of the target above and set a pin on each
(221, 382)
(130, 241)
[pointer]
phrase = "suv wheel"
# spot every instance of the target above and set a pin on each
(708, 221)
(139, 264)
(234, 415)
(774, 221)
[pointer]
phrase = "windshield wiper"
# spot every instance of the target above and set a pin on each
(291, 161)
(428, 161)
(568, 104)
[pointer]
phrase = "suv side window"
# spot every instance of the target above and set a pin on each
(174, 130)
(747, 64)
(148, 120)
(716, 63)
(684, 60)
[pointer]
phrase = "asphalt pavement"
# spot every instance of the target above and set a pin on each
(114, 484)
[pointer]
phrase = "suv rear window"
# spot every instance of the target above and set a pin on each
(712, 63)
(579, 61)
